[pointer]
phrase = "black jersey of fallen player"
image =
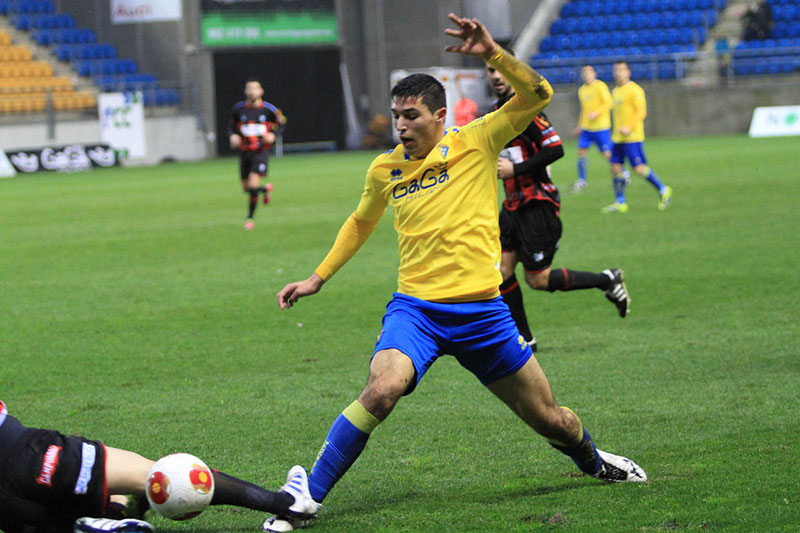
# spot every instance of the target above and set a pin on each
(532, 151)
(252, 123)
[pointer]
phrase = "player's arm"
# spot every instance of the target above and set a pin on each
(234, 139)
(352, 235)
(546, 155)
(605, 97)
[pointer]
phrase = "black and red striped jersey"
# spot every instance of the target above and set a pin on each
(251, 123)
(531, 152)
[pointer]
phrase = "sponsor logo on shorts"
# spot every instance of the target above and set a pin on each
(49, 466)
(88, 456)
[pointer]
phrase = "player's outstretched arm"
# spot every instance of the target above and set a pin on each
(294, 291)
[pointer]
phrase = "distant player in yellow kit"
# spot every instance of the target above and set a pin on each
(442, 186)
(594, 124)
(629, 112)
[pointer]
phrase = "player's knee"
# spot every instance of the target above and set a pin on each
(382, 393)
(642, 170)
(538, 280)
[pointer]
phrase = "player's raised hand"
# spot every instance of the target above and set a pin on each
(476, 40)
(294, 291)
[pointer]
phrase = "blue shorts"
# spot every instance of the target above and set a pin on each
(601, 138)
(633, 152)
(481, 335)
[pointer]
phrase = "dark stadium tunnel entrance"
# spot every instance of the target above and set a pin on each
(303, 82)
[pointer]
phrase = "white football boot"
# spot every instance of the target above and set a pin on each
(105, 525)
(617, 469)
(304, 507)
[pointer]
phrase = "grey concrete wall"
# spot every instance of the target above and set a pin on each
(675, 110)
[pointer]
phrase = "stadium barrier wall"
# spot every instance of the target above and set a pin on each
(174, 137)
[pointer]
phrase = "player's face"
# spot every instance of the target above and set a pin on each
(253, 91)
(498, 83)
(418, 128)
(622, 74)
(588, 74)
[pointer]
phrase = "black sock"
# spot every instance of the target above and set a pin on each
(229, 490)
(262, 189)
(512, 294)
(253, 203)
(561, 279)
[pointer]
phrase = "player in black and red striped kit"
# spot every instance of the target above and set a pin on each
(251, 130)
(530, 223)
(54, 483)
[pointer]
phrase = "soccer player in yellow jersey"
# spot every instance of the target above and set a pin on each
(629, 112)
(594, 124)
(442, 187)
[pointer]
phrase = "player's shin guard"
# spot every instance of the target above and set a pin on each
(345, 442)
(512, 294)
(583, 452)
(654, 181)
(561, 279)
(582, 168)
(620, 182)
(229, 490)
(253, 203)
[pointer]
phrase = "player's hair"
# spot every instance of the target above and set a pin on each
(622, 62)
(255, 79)
(588, 65)
(424, 85)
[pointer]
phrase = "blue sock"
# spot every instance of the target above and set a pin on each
(584, 454)
(653, 179)
(620, 182)
(345, 442)
(582, 168)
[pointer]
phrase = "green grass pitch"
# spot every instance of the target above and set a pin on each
(136, 310)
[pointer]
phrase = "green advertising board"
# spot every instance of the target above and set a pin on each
(268, 29)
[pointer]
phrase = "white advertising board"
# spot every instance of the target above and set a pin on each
(775, 121)
(129, 11)
(122, 123)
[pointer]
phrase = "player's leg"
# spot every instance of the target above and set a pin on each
(391, 373)
(253, 183)
(527, 392)
(512, 295)
(584, 143)
(510, 289)
(620, 178)
(639, 162)
(261, 167)
(390, 376)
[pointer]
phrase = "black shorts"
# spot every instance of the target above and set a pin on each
(48, 480)
(250, 162)
(533, 231)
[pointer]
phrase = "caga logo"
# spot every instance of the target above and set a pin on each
(431, 179)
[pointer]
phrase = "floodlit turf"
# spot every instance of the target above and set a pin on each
(136, 310)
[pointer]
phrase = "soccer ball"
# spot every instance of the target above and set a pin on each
(180, 486)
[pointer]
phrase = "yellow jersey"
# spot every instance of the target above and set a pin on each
(445, 205)
(630, 109)
(595, 98)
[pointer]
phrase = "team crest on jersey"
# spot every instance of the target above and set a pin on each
(444, 150)
(262, 118)
(397, 174)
